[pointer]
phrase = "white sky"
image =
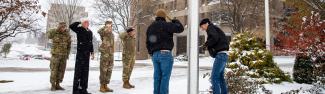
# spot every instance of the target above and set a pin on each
(45, 6)
(92, 16)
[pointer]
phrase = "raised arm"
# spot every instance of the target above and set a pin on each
(74, 26)
(49, 33)
(177, 26)
(100, 32)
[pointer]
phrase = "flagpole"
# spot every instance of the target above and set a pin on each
(193, 71)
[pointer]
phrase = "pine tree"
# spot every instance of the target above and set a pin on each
(248, 53)
(6, 49)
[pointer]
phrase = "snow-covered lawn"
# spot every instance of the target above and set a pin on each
(32, 76)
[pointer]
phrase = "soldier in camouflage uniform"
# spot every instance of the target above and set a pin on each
(106, 58)
(61, 43)
(128, 58)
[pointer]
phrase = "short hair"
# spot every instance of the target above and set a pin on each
(108, 22)
(84, 20)
(161, 13)
(204, 21)
(62, 24)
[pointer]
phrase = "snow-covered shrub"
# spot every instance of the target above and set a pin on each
(317, 88)
(319, 69)
(305, 38)
(181, 58)
(309, 70)
(238, 84)
(303, 69)
(247, 51)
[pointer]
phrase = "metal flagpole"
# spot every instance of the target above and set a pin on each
(193, 71)
(267, 25)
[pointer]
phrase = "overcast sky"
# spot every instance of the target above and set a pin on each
(45, 6)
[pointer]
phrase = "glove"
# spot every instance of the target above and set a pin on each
(175, 21)
(204, 47)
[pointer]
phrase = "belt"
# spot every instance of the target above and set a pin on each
(164, 50)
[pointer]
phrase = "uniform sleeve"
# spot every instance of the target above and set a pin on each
(74, 26)
(69, 44)
(49, 33)
(122, 37)
(100, 32)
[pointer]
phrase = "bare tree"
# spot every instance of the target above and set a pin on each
(318, 5)
(18, 16)
(119, 11)
(244, 14)
(65, 10)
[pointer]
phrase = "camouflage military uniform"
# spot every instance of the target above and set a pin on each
(61, 43)
(106, 57)
(128, 57)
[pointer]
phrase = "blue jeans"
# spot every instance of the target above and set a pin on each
(163, 64)
(219, 85)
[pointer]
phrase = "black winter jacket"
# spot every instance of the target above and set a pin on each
(217, 40)
(84, 37)
(160, 34)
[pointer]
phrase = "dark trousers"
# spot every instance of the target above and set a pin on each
(81, 73)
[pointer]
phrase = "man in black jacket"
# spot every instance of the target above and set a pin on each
(84, 51)
(218, 46)
(160, 44)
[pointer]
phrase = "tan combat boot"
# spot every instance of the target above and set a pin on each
(53, 87)
(108, 89)
(58, 87)
(127, 85)
(104, 88)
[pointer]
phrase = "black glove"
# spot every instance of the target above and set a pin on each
(175, 21)
(204, 47)
(129, 30)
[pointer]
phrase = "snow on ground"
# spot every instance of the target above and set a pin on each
(26, 49)
(32, 76)
(27, 80)
(285, 63)
(38, 82)
(286, 86)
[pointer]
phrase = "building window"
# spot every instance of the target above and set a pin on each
(181, 46)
